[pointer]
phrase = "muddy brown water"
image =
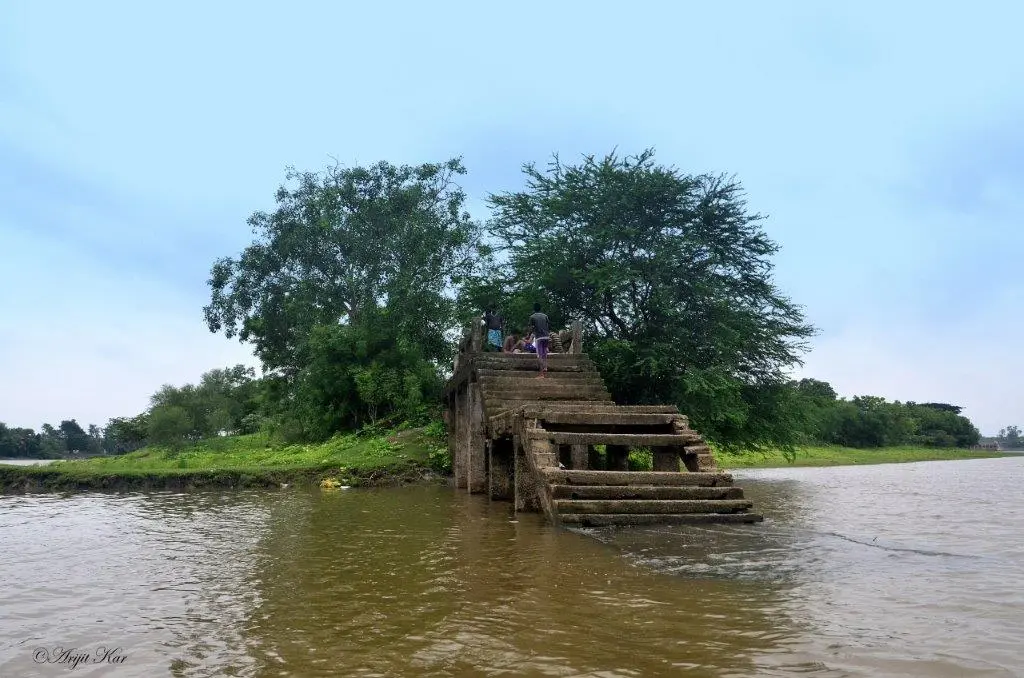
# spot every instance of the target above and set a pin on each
(895, 570)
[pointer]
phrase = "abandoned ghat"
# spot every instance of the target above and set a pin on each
(895, 570)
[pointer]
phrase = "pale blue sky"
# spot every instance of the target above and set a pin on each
(884, 140)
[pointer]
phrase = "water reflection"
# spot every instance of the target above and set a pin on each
(878, 571)
(424, 582)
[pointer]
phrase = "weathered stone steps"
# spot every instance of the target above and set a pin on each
(528, 378)
(540, 389)
(606, 418)
(652, 506)
(644, 492)
(534, 424)
(534, 366)
(606, 519)
(626, 439)
(569, 477)
(539, 409)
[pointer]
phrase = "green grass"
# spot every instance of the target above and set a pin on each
(250, 460)
(847, 456)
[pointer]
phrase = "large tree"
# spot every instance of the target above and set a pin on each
(671, 276)
(343, 243)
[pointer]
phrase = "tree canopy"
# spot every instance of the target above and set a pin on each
(670, 275)
(344, 243)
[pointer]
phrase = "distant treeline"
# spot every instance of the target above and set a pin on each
(870, 421)
(224, 401)
(233, 401)
(1010, 438)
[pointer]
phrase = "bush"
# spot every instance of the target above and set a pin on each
(169, 425)
(641, 460)
(439, 458)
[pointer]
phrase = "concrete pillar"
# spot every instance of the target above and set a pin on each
(565, 455)
(461, 433)
(666, 458)
(578, 457)
(618, 457)
(525, 490)
(501, 469)
(690, 462)
(577, 337)
(476, 460)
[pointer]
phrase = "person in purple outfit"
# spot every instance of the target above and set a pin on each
(541, 326)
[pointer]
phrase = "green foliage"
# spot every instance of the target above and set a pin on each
(436, 430)
(169, 425)
(260, 452)
(251, 423)
(671, 277)
(125, 434)
(219, 403)
(75, 439)
(870, 421)
(359, 374)
(19, 442)
(342, 244)
(439, 457)
(833, 455)
(641, 460)
(1011, 438)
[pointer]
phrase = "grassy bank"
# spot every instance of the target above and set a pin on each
(847, 456)
(242, 461)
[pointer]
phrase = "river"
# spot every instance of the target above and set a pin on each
(893, 570)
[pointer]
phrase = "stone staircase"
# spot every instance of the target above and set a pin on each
(567, 445)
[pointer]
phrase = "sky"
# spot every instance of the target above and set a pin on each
(884, 142)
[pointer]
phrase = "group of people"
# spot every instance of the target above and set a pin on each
(537, 337)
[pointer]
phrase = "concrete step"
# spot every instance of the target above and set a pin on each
(644, 492)
(605, 519)
(521, 396)
(539, 408)
(549, 385)
(570, 477)
(607, 418)
(524, 374)
(565, 506)
(626, 439)
(531, 366)
(520, 358)
(501, 414)
(530, 377)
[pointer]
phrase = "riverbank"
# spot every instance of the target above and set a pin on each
(413, 455)
(849, 456)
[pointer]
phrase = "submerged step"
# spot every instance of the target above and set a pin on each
(601, 520)
(569, 477)
(652, 505)
(644, 492)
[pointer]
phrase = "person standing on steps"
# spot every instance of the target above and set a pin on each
(541, 327)
(495, 324)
